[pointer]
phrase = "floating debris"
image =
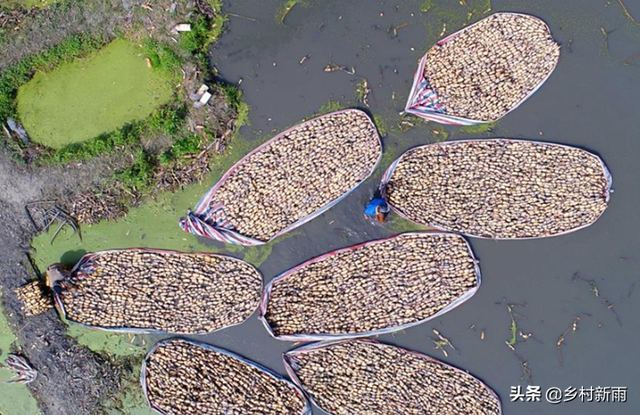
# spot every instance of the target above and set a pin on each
(596, 293)
(181, 377)
(363, 91)
(363, 376)
(304, 58)
(572, 329)
(499, 188)
(442, 343)
(626, 13)
(332, 67)
(394, 29)
(484, 71)
(372, 288)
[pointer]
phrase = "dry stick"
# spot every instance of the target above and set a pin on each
(442, 343)
(631, 58)
(394, 29)
(606, 40)
(596, 293)
(626, 12)
(572, 328)
(239, 16)
(489, 7)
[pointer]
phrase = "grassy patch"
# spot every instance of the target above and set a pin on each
(28, 4)
(139, 174)
(93, 96)
(234, 98)
(204, 32)
(15, 399)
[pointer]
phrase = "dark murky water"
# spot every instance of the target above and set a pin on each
(590, 101)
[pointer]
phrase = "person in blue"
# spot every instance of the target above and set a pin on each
(377, 208)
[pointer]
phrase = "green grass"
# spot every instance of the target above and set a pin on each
(15, 399)
(28, 4)
(92, 96)
(234, 98)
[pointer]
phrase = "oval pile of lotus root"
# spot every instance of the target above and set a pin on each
(500, 188)
(161, 290)
(185, 378)
(298, 173)
(492, 66)
(377, 286)
(364, 377)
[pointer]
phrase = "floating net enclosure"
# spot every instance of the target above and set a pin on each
(371, 288)
(366, 377)
(484, 71)
(180, 377)
(144, 290)
(289, 180)
(499, 188)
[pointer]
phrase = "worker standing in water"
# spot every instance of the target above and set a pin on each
(377, 208)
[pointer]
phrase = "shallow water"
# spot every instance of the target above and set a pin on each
(589, 101)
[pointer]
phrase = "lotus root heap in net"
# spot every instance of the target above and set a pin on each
(302, 171)
(159, 290)
(362, 377)
(500, 188)
(184, 378)
(492, 66)
(375, 286)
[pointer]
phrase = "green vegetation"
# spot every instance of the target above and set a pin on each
(381, 125)
(128, 135)
(15, 398)
(130, 398)
(167, 119)
(28, 4)
(12, 78)
(204, 32)
(190, 145)
(330, 106)
(138, 176)
(162, 57)
(286, 8)
(479, 129)
(83, 99)
(448, 17)
(234, 98)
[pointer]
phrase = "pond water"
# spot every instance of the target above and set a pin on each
(590, 101)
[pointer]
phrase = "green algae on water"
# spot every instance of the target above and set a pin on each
(92, 96)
